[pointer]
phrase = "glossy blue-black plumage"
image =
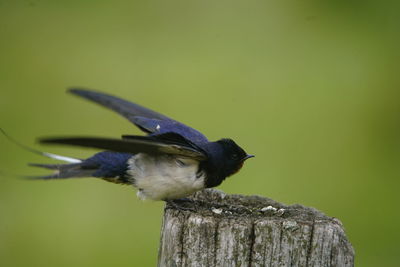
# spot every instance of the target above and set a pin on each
(108, 164)
(147, 120)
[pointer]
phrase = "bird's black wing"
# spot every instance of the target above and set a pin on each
(147, 120)
(127, 109)
(134, 144)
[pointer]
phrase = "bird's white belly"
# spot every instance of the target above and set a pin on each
(164, 177)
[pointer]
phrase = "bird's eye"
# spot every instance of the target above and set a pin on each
(235, 156)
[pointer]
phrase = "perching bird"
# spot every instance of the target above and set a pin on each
(171, 162)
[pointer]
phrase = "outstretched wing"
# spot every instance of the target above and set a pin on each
(147, 120)
(127, 109)
(135, 144)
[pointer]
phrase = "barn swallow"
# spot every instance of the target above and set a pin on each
(171, 162)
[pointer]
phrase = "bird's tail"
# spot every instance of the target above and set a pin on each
(63, 171)
(73, 167)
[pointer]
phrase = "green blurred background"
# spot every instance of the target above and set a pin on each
(310, 87)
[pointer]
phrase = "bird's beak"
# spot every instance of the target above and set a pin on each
(248, 156)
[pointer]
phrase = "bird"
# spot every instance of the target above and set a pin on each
(171, 162)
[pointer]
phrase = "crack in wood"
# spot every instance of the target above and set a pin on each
(216, 242)
(252, 241)
(310, 243)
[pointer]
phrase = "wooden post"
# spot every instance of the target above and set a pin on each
(233, 230)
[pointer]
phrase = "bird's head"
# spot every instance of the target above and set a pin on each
(234, 156)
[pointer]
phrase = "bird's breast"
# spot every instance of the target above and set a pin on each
(164, 177)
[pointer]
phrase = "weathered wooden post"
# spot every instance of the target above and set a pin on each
(233, 230)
